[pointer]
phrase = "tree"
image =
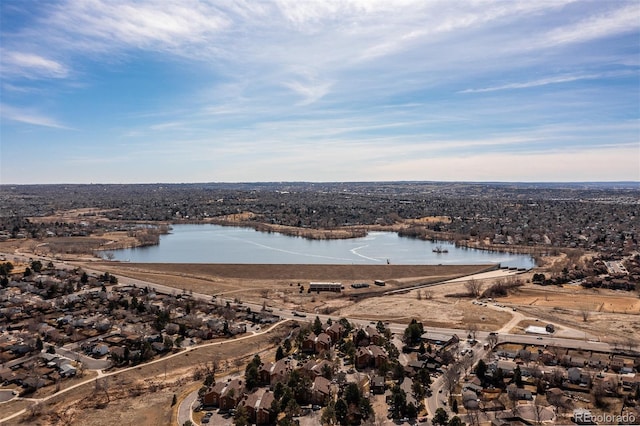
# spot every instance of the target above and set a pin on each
(329, 414)
(27, 272)
(450, 377)
(472, 330)
(412, 411)
(317, 326)
(6, 268)
(241, 418)
(279, 353)
(455, 421)
(399, 398)
(481, 370)
(517, 376)
(474, 287)
(585, 313)
(492, 339)
(352, 394)
(418, 391)
(413, 333)
(454, 407)
(36, 266)
(440, 417)
(341, 411)
(174, 401)
(365, 408)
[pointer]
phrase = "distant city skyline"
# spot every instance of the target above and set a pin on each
(114, 91)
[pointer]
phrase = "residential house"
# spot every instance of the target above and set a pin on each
(371, 355)
(470, 400)
(225, 395)
(272, 373)
(377, 385)
(316, 344)
(320, 391)
(517, 393)
(231, 394)
(578, 376)
(100, 350)
(630, 382)
(263, 412)
(335, 332)
(616, 363)
(313, 368)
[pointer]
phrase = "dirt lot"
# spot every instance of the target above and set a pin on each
(614, 316)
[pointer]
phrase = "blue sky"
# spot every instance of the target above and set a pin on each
(110, 91)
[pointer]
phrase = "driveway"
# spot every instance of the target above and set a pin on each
(88, 362)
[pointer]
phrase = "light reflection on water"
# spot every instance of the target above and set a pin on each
(220, 244)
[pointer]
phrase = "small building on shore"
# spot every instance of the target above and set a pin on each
(322, 286)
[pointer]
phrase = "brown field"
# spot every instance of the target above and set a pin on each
(73, 216)
(576, 297)
(142, 396)
(612, 316)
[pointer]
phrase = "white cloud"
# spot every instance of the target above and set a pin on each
(29, 117)
(30, 65)
(545, 81)
(149, 25)
(617, 21)
(311, 91)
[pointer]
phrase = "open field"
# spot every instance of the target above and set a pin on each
(611, 314)
(142, 395)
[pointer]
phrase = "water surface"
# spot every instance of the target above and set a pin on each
(222, 244)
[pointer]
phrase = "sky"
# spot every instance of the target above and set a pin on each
(116, 91)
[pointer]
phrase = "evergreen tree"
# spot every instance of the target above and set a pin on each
(440, 418)
(279, 353)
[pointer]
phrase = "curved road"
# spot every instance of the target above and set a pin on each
(432, 402)
(184, 410)
(115, 373)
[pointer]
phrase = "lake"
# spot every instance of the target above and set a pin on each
(222, 244)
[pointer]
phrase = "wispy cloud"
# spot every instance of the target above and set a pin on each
(147, 25)
(30, 117)
(606, 24)
(310, 91)
(30, 65)
(545, 81)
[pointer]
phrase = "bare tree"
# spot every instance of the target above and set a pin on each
(451, 376)
(428, 294)
(103, 386)
(585, 313)
(474, 287)
(472, 330)
(492, 339)
(538, 411)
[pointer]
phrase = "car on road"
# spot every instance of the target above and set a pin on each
(298, 314)
(538, 338)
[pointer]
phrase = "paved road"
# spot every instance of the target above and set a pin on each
(436, 400)
(135, 367)
(184, 410)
